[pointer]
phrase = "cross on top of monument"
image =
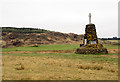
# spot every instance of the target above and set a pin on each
(89, 18)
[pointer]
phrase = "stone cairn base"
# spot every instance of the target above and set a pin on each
(84, 50)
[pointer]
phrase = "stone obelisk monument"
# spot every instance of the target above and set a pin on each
(90, 44)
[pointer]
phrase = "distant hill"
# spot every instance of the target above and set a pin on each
(23, 30)
(12, 37)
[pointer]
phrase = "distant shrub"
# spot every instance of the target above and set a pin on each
(34, 46)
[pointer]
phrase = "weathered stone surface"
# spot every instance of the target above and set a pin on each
(84, 50)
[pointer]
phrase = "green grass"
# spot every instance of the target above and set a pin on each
(110, 46)
(53, 47)
(44, 47)
(87, 58)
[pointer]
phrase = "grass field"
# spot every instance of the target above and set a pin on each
(87, 57)
(44, 47)
(113, 40)
(58, 66)
(54, 47)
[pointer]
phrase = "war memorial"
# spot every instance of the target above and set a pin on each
(90, 44)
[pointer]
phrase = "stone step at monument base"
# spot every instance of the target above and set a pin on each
(84, 50)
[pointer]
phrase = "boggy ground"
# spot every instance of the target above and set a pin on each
(61, 66)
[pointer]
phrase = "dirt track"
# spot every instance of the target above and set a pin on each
(43, 51)
(57, 51)
(113, 50)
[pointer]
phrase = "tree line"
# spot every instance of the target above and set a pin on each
(23, 30)
(114, 38)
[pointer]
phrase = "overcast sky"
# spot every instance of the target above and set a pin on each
(61, 15)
